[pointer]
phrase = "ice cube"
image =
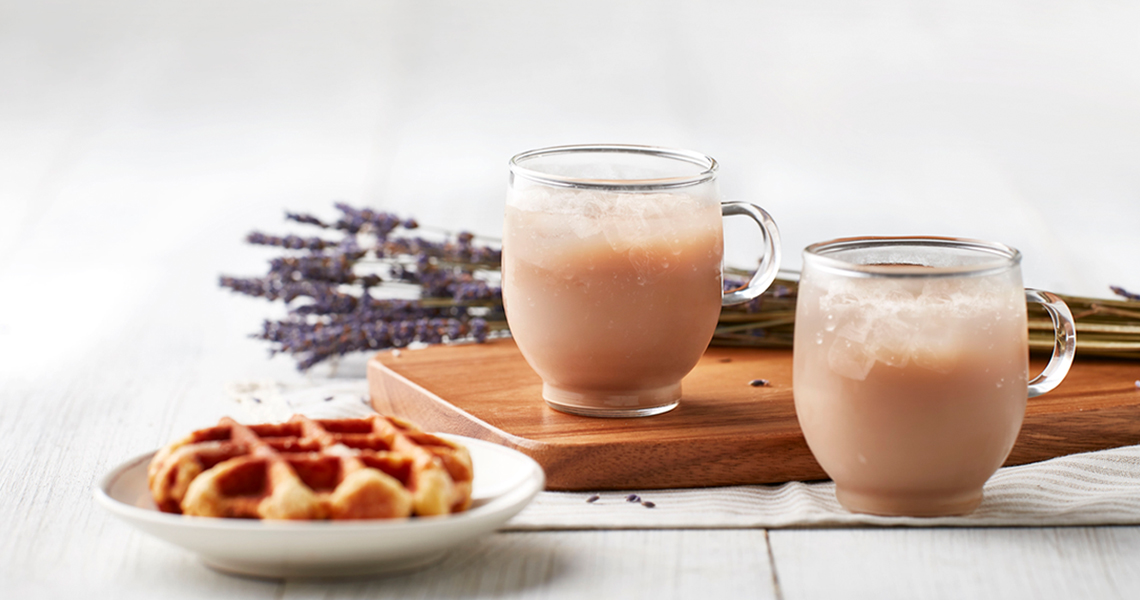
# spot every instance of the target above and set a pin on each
(856, 329)
(891, 341)
(838, 301)
(620, 234)
(624, 224)
(849, 358)
(838, 308)
(584, 227)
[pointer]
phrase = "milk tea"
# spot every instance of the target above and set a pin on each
(612, 297)
(910, 391)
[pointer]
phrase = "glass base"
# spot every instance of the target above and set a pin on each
(909, 505)
(642, 403)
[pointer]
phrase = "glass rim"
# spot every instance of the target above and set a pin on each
(707, 163)
(819, 255)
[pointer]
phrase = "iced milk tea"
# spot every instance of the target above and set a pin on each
(612, 297)
(910, 390)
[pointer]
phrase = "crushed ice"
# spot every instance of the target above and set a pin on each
(877, 321)
(651, 227)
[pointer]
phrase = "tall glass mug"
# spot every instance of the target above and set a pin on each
(612, 272)
(911, 368)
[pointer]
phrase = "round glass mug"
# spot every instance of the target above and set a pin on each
(612, 279)
(911, 367)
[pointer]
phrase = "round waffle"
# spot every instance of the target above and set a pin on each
(370, 468)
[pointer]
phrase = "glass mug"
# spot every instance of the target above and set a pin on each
(612, 279)
(911, 367)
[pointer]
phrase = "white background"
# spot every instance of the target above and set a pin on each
(135, 132)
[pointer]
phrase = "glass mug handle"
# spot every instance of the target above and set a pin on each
(1064, 342)
(769, 263)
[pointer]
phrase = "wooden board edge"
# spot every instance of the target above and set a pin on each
(573, 467)
(1102, 429)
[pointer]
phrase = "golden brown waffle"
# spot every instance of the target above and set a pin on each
(371, 468)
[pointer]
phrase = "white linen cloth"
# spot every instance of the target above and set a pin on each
(1094, 488)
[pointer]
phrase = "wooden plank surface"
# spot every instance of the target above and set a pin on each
(724, 432)
(580, 564)
(999, 564)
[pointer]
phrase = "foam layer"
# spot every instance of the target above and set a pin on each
(927, 322)
(596, 203)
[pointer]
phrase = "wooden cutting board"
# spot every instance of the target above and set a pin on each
(725, 431)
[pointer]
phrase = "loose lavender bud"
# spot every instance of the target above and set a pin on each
(758, 382)
(633, 498)
(648, 504)
(593, 499)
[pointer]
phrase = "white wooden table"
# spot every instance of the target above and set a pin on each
(139, 142)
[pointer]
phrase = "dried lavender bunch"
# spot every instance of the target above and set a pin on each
(765, 322)
(328, 286)
(1108, 328)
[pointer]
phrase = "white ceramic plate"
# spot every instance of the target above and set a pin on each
(505, 482)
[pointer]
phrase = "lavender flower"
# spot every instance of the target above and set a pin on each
(354, 220)
(306, 219)
(334, 268)
(331, 309)
(461, 250)
(479, 330)
(1119, 291)
(292, 242)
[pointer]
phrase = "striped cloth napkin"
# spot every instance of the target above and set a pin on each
(1095, 488)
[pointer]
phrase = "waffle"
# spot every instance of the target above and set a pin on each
(371, 468)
